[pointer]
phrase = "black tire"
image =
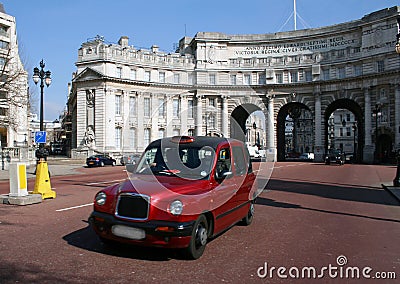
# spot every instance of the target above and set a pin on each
(198, 239)
(248, 219)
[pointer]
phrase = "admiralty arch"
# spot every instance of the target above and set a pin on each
(122, 97)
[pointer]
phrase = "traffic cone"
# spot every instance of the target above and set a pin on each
(42, 183)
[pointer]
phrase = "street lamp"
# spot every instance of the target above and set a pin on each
(354, 141)
(376, 112)
(44, 77)
(255, 133)
(396, 181)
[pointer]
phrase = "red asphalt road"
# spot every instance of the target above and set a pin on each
(310, 215)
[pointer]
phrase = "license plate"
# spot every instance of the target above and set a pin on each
(128, 232)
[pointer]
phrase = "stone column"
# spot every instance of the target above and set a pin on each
(154, 117)
(225, 116)
(199, 115)
(140, 122)
(184, 115)
(368, 151)
(319, 147)
(169, 130)
(271, 154)
(397, 116)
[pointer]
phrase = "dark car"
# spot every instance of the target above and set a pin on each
(130, 159)
(100, 161)
(335, 156)
(183, 192)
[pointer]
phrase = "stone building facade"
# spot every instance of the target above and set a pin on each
(124, 97)
(14, 99)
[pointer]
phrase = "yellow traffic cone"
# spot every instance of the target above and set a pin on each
(42, 183)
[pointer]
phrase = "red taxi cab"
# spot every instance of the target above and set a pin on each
(183, 191)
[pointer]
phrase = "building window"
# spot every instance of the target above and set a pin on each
(132, 138)
(118, 135)
(342, 72)
(212, 121)
(380, 66)
(118, 104)
(2, 61)
(341, 132)
(326, 74)
(279, 78)
(147, 76)
(161, 133)
(358, 70)
(212, 79)
(261, 78)
(293, 76)
(177, 78)
(348, 116)
(176, 107)
(348, 131)
(191, 79)
(161, 107)
(247, 79)
(211, 102)
(191, 132)
(147, 107)
(3, 44)
(119, 72)
(132, 106)
(190, 109)
(308, 75)
(161, 77)
(146, 136)
(133, 74)
(233, 79)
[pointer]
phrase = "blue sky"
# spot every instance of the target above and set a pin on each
(54, 29)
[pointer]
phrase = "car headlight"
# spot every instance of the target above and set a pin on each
(101, 198)
(176, 207)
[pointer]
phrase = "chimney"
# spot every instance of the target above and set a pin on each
(154, 48)
(123, 41)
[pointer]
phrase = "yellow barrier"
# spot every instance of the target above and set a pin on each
(42, 183)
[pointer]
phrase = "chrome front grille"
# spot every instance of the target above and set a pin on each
(133, 206)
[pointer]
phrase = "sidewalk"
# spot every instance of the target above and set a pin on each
(57, 166)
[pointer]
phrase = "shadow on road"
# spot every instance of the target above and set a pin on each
(357, 194)
(86, 238)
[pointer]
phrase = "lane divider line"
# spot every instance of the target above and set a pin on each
(104, 182)
(74, 207)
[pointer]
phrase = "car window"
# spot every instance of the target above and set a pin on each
(223, 162)
(239, 160)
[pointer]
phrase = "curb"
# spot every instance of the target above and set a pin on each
(394, 191)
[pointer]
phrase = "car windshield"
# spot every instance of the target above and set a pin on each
(183, 161)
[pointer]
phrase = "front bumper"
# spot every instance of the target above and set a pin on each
(158, 233)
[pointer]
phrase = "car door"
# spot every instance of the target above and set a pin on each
(225, 198)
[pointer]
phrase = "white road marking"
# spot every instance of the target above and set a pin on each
(293, 165)
(74, 207)
(104, 182)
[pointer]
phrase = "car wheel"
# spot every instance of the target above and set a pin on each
(249, 217)
(198, 239)
(114, 163)
(101, 164)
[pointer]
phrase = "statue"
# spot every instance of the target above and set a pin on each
(90, 138)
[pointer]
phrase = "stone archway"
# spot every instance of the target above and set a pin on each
(238, 120)
(294, 110)
(355, 108)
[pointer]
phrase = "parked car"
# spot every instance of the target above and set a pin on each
(100, 161)
(183, 191)
(129, 159)
(307, 157)
(335, 156)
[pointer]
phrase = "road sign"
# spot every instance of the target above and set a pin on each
(40, 137)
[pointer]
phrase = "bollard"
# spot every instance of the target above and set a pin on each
(18, 180)
(42, 183)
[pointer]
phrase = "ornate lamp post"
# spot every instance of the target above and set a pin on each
(255, 132)
(354, 141)
(376, 112)
(44, 77)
